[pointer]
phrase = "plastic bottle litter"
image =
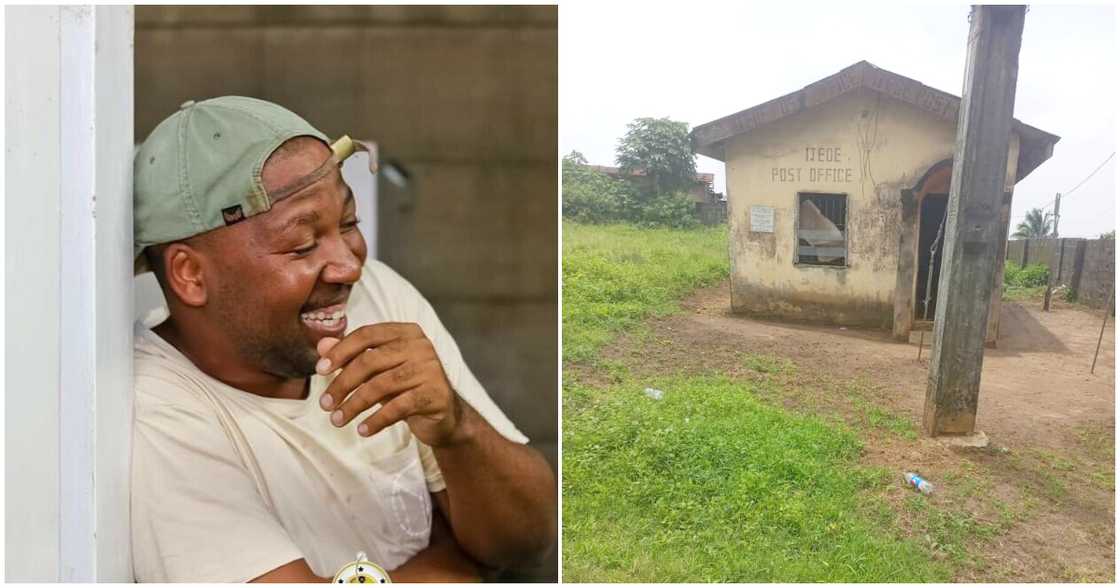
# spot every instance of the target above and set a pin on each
(918, 482)
(654, 393)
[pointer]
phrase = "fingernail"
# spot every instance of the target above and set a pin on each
(336, 418)
(326, 401)
(324, 366)
(325, 344)
(363, 430)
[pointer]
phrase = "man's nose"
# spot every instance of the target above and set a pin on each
(343, 265)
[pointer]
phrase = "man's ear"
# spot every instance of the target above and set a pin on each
(183, 271)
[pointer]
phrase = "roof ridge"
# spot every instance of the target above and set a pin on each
(708, 138)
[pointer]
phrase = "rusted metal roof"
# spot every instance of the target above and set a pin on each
(1035, 145)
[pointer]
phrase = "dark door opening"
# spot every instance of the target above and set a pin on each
(930, 217)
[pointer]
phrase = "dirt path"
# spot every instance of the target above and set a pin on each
(1047, 480)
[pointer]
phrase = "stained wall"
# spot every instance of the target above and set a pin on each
(868, 146)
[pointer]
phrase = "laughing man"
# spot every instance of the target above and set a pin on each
(303, 404)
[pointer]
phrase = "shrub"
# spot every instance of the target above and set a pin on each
(592, 197)
(589, 196)
(1028, 276)
(674, 210)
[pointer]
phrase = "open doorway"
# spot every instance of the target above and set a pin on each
(931, 216)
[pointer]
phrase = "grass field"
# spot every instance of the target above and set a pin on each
(616, 275)
(711, 483)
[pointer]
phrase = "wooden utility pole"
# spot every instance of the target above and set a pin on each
(972, 227)
(1057, 255)
(1100, 337)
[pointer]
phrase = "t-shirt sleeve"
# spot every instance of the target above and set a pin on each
(413, 307)
(196, 513)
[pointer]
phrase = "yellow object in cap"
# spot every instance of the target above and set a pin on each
(343, 148)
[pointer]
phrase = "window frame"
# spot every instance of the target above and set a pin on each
(797, 228)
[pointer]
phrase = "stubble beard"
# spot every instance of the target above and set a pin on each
(282, 351)
(289, 357)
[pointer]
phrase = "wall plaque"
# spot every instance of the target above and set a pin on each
(762, 219)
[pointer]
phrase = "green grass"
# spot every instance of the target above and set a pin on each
(1023, 294)
(719, 481)
(711, 484)
(617, 275)
(767, 364)
(901, 426)
(950, 532)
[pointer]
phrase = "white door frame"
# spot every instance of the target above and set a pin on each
(77, 65)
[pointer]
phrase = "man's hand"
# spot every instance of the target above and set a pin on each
(396, 365)
(506, 518)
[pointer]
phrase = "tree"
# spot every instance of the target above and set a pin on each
(659, 150)
(590, 196)
(1111, 235)
(575, 158)
(1036, 225)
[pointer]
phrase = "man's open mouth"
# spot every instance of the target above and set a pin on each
(329, 320)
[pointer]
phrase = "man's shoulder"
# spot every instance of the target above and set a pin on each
(162, 381)
(377, 275)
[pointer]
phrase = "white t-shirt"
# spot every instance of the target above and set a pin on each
(228, 485)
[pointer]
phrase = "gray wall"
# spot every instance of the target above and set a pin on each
(466, 98)
(1087, 266)
(1098, 276)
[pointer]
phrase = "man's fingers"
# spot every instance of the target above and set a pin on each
(361, 339)
(384, 385)
(362, 368)
(324, 345)
(394, 411)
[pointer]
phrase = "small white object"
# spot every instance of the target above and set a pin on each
(654, 393)
(918, 483)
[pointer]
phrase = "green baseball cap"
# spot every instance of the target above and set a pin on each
(200, 168)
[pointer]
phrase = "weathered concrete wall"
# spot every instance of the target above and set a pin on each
(1087, 265)
(885, 146)
(1065, 266)
(1041, 251)
(712, 213)
(1098, 275)
(466, 98)
(1049, 252)
(1015, 250)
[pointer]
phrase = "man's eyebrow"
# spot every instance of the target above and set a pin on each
(307, 218)
(312, 216)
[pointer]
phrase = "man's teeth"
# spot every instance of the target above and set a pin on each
(328, 319)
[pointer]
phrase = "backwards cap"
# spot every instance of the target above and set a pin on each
(200, 169)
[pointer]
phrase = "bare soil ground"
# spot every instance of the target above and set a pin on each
(1036, 505)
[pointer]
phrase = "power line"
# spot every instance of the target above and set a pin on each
(1094, 172)
(1079, 184)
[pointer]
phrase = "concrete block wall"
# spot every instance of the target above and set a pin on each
(1067, 257)
(465, 97)
(712, 213)
(1015, 250)
(1042, 251)
(1098, 276)
(1092, 281)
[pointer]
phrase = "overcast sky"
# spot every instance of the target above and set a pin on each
(698, 61)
